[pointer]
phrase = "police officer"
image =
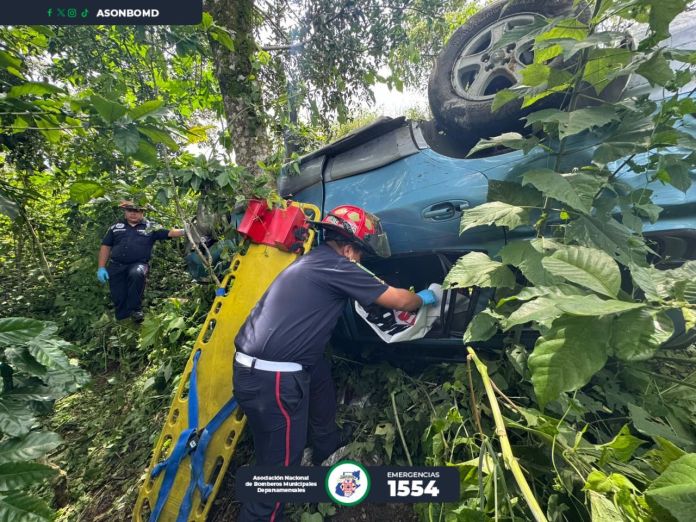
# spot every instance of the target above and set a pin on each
(127, 247)
(281, 380)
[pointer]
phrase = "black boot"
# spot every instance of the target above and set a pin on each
(138, 316)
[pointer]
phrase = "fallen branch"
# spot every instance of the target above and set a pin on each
(508, 456)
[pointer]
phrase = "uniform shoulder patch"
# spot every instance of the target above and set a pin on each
(118, 225)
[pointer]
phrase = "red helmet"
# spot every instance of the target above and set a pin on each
(357, 225)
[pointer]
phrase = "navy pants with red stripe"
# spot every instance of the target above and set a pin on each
(283, 410)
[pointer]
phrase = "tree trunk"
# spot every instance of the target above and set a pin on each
(242, 97)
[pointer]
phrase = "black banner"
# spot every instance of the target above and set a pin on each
(347, 483)
(102, 12)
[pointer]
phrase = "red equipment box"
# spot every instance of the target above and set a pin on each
(285, 229)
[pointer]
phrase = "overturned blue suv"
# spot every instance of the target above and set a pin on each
(419, 177)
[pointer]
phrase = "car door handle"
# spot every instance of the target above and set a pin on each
(445, 210)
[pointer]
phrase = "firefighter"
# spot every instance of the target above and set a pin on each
(127, 247)
(281, 379)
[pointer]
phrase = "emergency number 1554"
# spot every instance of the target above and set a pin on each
(412, 488)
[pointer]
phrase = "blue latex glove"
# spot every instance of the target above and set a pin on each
(427, 296)
(102, 275)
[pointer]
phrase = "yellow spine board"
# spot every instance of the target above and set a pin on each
(249, 276)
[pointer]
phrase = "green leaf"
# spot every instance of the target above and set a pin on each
(621, 447)
(159, 136)
(146, 153)
(477, 269)
(637, 334)
(662, 12)
(535, 74)
(556, 186)
(543, 310)
(494, 213)
(656, 70)
(84, 191)
(652, 428)
(19, 475)
(20, 330)
(583, 119)
(587, 267)
(563, 360)
(674, 491)
(603, 65)
(145, 109)
(527, 256)
(481, 328)
(610, 236)
(16, 418)
(127, 140)
(21, 360)
(20, 507)
(603, 509)
(503, 97)
(34, 445)
(514, 193)
(109, 110)
(222, 36)
(9, 60)
(511, 140)
(33, 89)
(49, 352)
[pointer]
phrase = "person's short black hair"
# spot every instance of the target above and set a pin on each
(341, 240)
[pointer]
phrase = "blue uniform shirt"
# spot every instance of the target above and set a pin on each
(132, 244)
(294, 319)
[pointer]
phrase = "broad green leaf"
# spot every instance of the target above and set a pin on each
(159, 136)
(127, 140)
(22, 361)
(610, 236)
(603, 509)
(19, 475)
(527, 256)
(222, 36)
(621, 447)
(477, 269)
(586, 267)
(109, 110)
(49, 129)
(544, 310)
(20, 330)
(494, 213)
(145, 109)
(603, 65)
(21, 507)
(49, 352)
(674, 492)
(197, 134)
(32, 446)
(33, 89)
(556, 186)
(83, 191)
(662, 12)
(535, 74)
(146, 153)
(514, 193)
(651, 427)
(9, 60)
(661, 457)
(511, 140)
(481, 328)
(638, 334)
(503, 97)
(16, 417)
(656, 70)
(532, 292)
(582, 119)
(568, 355)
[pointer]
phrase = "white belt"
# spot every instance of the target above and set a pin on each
(269, 366)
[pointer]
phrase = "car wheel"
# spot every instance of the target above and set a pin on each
(470, 70)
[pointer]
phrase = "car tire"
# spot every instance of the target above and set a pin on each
(464, 110)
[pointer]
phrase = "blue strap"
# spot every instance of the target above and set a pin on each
(181, 448)
(198, 460)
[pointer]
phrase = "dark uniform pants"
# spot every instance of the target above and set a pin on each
(280, 408)
(127, 284)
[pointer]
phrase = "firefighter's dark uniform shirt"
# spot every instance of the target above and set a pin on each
(132, 244)
(294, 319)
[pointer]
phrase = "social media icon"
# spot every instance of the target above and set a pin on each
(84, 13)
(49, 12)
(61, 12)
(72, 13)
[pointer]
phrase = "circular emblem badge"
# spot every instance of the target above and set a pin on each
(347, 483)
(120, 225)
